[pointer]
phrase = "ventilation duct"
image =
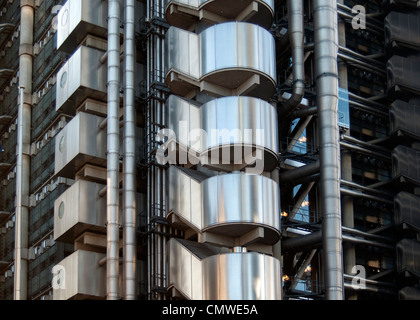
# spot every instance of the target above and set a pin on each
(402, 30)
(227, 133)
(407, 210)
(81, 141)
(215, 61)
(404, 120)
(403, 74)
(406, 164)
(202, 272)
(408, 258)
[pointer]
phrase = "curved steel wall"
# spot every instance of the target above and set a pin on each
(228, 66)
(209, 274)
(259, 12)
(230, 204)
(243, 122)
(227, 55)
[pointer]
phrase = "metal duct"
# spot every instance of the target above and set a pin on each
(113, 149)
(296, 39)
(23, 157)
(407, 210)
(326, 75)
(129, 165)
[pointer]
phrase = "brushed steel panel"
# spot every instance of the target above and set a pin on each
(243, 121)
(79, 209)
(82, 76)
(83, 278)
(230, 204)
(226, 55)
(199, 272)
(78, 18)
(80, 141)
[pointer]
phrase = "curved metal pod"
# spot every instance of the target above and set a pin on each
(227, 59)
(185, 13)
(229, 204)
(240, 124)
(202, 272)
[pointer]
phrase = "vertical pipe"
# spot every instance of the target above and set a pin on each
(326, 75)
(346, 167)
(129, 183)
(113, 149)
(23, 157)
(296, 38)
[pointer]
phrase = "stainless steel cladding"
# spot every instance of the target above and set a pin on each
(79, 277)
(82, 76)
(238, 58)
(244, 124)
(183, 13)
(81, 141)
(78, 18)
(79, 209)
(230, 204)
(199, 272)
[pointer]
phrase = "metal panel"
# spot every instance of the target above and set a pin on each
(81, 141)
(227, 55)
(404, 118)
(408, 258)
(402, 29)
(403, 74)
(199, 273)
(406, 164)
(79, 209)
(81, 277)
(225, 122)
(230, 204)
(78, 18)
(82, 76)
(407, 210)
(206, 9)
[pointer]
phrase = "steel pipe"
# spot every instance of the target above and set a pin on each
(129, 165)
(23, 157)
(326, 75)
(112, 274)
(296, 40)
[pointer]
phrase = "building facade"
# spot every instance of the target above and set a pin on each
(208, 149)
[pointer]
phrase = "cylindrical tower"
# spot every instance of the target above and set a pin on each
(221, 142)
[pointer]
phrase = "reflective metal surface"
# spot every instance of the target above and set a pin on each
(229, 121)
(259, 12)
(199, 272)
(80, 277)
(229, 204)
(78, 18)
(227, 55)
(81, 141)
(82, 76)
(79, 209)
